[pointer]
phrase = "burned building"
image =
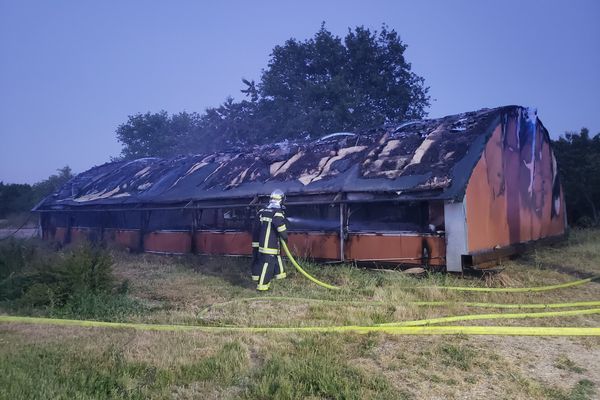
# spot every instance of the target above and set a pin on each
(456, 191)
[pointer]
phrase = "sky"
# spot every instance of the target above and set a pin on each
(72, 71)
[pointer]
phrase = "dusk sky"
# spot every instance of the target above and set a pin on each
(72, 71)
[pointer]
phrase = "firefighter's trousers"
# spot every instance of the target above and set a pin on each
(269, 266)
(255, 270)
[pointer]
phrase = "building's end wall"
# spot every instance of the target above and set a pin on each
(514, 195)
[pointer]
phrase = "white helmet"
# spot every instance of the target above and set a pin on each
(277, 197)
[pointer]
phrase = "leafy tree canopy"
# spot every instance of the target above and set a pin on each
(327, 84)
(158, 134)
(16, 197)
(310, 88)
(578, 158)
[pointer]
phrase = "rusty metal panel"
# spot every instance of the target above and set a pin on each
(230, 243)
(315, 245)
(514, 194)
(78, 235)
(81, 234)
(486, 205)
(49, 232)
(168, 242)
(128, 238)
(60, 234)
(404, 249)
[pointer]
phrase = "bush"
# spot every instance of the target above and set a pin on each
(18, 261)
(14, 256)
(38, 294)
(76, 283)
(86, 269)
(41, 279)
(98, 306)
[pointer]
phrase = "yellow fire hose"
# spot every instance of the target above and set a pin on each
(416, 327)
(513, 290)
(457, 288)
(424, 329)
(303, 272)
(471, 317)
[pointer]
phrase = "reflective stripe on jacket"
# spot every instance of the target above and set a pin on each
(272, 227)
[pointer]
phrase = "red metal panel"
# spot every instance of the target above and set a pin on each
(394, 248)
(83, 234)
(405, 249)
(168, 242)
(128, 238)
(315, 245)
(232, 243)
(60, 234)
(509, 196)
(487, 208)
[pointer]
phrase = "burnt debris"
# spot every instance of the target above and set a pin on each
(414, 158)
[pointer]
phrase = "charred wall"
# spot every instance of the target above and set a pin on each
(394, 232)
(514, 193)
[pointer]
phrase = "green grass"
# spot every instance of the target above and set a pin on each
(580, 252)
(313, 367)
(59, 372)
(112, 307)
(307, 368)
(44, 372)
(81, 363)
(225, 368)
(582, 390)
(565, 363)
(458, 356)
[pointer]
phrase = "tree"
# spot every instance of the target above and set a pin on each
(323, 85)
(15, 198)
(310, 88)
(231, 124)
(578, 158)
(52, 183)
(19, 198)
(145, 135)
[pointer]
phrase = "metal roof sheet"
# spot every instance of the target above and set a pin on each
(428, 158)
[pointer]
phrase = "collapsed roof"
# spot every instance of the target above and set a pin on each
(419, 159)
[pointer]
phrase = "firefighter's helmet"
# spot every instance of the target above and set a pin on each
(277, 196)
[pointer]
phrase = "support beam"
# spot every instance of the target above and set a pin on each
(456, 234)
(342, 231)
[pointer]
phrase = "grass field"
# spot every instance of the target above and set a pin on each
(89, 363)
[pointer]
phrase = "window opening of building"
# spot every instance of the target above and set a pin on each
(387, 217)
(313, 217)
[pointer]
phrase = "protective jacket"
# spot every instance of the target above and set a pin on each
(255, 269)
(272, 227)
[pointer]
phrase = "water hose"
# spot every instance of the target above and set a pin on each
(416, 327)
(473, 317)
(456, 288)
(397, 330)
(511, 290)
(367, 303)
(302, 271)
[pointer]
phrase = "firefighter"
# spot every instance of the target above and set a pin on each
(255, 270)
(272, 227)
